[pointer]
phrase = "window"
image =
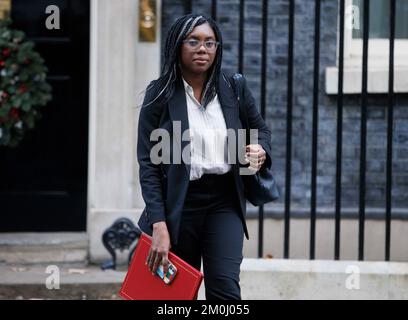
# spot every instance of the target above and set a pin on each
(378, 48)
(380, 19)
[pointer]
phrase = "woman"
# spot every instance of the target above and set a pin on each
(196, 206)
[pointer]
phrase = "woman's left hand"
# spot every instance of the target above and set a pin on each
(256, 156)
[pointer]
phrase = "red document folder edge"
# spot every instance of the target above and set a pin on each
(140, 284)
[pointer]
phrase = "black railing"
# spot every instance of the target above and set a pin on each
(315, 130)
(339, 136)
(289, 122)
(363, 136)
(315, 123)
(389, 133)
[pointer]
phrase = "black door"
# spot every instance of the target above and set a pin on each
(43, 182)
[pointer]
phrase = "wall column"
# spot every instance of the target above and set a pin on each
(121, 67)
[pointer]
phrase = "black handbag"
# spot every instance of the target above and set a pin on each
(260, 188)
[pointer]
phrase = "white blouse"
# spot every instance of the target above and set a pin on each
(208, 136)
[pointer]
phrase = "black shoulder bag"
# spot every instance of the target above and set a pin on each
(260, 188)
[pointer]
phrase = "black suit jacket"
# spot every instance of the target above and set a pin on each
(164, 186)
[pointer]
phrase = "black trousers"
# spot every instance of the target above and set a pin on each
(211, 229)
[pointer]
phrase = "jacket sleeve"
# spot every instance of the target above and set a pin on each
(257, 122)
(149, 173)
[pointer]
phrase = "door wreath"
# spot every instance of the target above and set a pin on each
(23, 86)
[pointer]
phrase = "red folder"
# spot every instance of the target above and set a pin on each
(140, 284)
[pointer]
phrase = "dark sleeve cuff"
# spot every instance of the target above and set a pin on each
(268, 160)
(155, 220)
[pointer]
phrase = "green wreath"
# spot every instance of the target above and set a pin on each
(23, 86)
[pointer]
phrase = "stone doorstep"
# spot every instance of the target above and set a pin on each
(76, 239)
(29, 282)
(44, 248)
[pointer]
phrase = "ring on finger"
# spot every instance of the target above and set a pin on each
(156, 260)
(150, 259)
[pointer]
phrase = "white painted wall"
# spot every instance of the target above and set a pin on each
(121, 67)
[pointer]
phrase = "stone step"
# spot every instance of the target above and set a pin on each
(87, 283)
(30, 282)
(44, 248)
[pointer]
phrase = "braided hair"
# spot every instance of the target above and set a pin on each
(165, 85)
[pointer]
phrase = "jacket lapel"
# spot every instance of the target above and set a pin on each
(228, 103)
(179, 117)
(230, 110)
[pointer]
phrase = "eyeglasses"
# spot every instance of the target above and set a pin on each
(195, 45)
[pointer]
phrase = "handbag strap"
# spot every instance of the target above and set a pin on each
(237, 86)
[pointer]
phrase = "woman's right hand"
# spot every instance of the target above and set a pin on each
(158, 253)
